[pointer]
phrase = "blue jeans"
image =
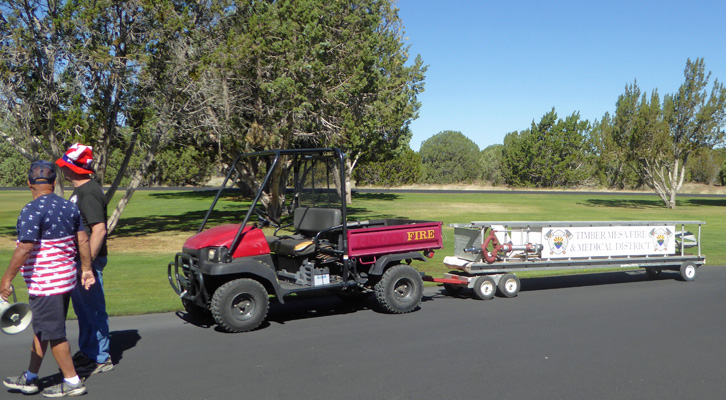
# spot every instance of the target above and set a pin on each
(90, 308)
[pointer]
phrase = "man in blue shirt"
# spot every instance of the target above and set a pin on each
(48, 229)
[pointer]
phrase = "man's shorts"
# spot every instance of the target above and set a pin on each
(49, 315)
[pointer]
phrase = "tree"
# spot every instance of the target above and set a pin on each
(449, 157)
(141, 75)
(552, 153)
(610, 160)
(13, 167)
(490, 164)
(313, 73)
(79, 70)
(399, 170)
(34, 79)
(704, 165)
(661, 138)
(180, 165)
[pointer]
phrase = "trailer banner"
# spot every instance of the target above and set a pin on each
(608, 241)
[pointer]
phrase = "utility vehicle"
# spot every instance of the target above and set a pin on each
(294, 237)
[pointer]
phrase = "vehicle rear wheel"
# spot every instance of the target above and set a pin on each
(240, 305)
(509, 285)
(484, 287)
(400, 289)
(688, 271)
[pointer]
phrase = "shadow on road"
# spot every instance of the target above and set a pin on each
(596, 279)
(298, 307)
(303, 307)
(573, 281)
(121, 341)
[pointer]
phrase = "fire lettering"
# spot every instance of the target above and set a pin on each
(421, 235)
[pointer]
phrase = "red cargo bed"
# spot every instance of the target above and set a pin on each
(390, 239)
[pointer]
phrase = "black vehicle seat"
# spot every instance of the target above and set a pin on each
(307, 222)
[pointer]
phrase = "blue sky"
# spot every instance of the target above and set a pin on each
(494, 66)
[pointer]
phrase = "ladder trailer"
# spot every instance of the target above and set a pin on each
(487, 255)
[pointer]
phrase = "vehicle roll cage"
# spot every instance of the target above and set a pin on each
(276, 155)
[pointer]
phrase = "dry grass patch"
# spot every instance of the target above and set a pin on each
(446, 211)
(7, 243)
(166, 242)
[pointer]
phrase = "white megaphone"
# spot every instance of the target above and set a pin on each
(14, 318)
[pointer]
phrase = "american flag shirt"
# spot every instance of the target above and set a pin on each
(51, 223)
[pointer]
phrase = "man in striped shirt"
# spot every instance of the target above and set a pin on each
(50, 235)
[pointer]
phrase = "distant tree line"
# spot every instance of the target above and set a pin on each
(652, 142)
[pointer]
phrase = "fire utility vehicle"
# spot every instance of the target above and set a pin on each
(295, 237)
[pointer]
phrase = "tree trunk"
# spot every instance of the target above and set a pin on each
(136, 180)
(124, 166)
(350, 164)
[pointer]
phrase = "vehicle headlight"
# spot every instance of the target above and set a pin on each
(216, 254)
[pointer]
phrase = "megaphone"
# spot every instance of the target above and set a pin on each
(14, 318)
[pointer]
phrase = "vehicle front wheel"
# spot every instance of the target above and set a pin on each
(400, 289)
(240, 305)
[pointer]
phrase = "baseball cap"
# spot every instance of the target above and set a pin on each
(78, 158)
(41, 172)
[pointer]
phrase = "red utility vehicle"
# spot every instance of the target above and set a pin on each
(232, 270)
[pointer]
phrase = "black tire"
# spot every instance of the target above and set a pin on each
(653, 273)
(400, 289)
(688, 271)
(484, 287)
(240, 305)
(509, 285)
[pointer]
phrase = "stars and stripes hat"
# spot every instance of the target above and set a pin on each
(78, 158)
(41, 172)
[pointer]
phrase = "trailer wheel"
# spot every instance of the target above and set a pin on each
(688, 271)
(509, 285)
(240, 305)
(484, 287)
(400, 289)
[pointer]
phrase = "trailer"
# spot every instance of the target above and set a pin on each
(487, 255)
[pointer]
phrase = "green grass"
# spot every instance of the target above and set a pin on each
(155, 223)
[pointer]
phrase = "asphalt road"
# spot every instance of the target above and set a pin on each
(602, 336)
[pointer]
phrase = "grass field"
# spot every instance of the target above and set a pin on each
(156, 223)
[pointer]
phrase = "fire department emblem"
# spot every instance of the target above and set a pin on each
(660, 238)
(558, 240)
